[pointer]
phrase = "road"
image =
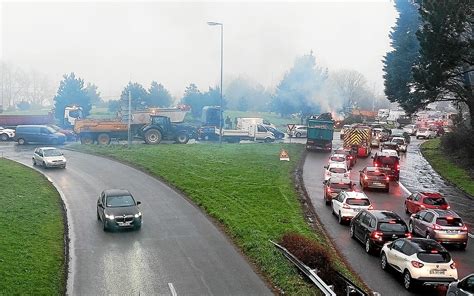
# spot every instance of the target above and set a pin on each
(413, 168)
(177, 251)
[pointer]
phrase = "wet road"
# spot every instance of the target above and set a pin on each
(177, 251)
(368, 267)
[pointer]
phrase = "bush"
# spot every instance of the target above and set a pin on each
(460, 144)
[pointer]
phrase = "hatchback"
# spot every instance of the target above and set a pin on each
(49, 157)
(338, 170)
(348, 204)
(374, 177)
(444, 226)
(333, 186)
(464, 287)
(117, 208)
(425, 200)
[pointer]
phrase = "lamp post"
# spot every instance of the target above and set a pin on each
(222, 69)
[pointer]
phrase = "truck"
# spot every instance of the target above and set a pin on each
(156, 129)
(358, 138)
(71, 113)
(320, 134)
(245, 122)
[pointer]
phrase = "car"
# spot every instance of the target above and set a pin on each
(374, 228)
(410, 129)
(6, 134)
(444, 226)
(390, 146)
(464, 287)
(339, 158)
(425, 134)
(374, 177)
(347, 204)
(25, 134)
(276, 133)
(388, 159)
(49, 157)
(402, 144)
(399, 133)
(351, 155)
(300, 131)
(334, 185)
(70, 135)
(117, 208)
(425, 200)
(420, 261)
(336, 170)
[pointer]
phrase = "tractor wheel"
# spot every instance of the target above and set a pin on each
(182, 138)
(103, 139)
(153, 136)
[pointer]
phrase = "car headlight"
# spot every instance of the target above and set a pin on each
(110, 217)
(139, 214)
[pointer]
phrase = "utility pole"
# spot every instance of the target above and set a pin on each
(129, 117)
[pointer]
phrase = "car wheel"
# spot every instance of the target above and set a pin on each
(34, 161)
(21, 141)
(387, 189)
(383, 261)
(368, 247)
(407, 280)
(351, 232)
(104, 225)
(339, 218)
(298, 135)
(328, 202)
(462, 247)
(4, 137)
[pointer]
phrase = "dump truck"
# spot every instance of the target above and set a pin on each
(320, 133)
(358, 138)
(156, 129)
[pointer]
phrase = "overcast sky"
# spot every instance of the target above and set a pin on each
(109, 43)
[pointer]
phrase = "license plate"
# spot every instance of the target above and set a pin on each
(124, 223)
(451, 231)
(376, 183)
(436, 271)
(356, 210)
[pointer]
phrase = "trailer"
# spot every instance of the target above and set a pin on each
(11, 121)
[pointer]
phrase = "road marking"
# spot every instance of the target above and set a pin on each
(173, 291)
(404, 188)
(470, 235)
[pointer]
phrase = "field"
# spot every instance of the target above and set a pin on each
(245, 187)
(32, 258)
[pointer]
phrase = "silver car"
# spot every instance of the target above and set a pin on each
(49, 157)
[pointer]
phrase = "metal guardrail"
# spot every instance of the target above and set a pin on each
(310, 273)
(351, 288)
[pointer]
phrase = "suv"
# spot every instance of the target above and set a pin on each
(374, 228)
(300, 131)
(118, 209)
(387, 159)
(333, 186)
(6, 134)
(38, 134)
(402, 144)
(443, 226)
(425, 200)
(420, 260)
(348, 204)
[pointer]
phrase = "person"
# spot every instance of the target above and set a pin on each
(228, 122)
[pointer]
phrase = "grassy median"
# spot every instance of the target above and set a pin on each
(32, 259)
(243, 186)
(445, 167)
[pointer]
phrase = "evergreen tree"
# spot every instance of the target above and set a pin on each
(399, 62)
(193, 97)
(445, 68)
(158, 95)
(71, 92)
(138, 96)
(94, 95)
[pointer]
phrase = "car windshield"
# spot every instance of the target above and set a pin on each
(422, 130)
(395, 227)
(452, 222)
(340, 186)
(398, 141)
(358, 202)
(50, 129)
(431, 257)
(387, 160)
(338, 158)
(120, 201)
(337, 170)
(52, 152)
(375, 173)
(435, 201)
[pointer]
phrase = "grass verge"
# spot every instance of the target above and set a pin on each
(245, 187)
(445, 167)
(32, 257)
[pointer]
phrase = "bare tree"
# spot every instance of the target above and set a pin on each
(351, 86)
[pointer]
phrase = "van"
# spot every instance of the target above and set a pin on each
(38, 134)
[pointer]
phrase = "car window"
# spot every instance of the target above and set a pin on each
(416, 197)
(408, 249)
(337, 158)
(434, 201)
(340, 186)
(357, 202)
(398, 244)
(44, 130)
(434, 257)
(392, 227)
(421, 215)
(452, 222)
(52, 152)
(375, 173)
(360, 216)
(428, 217)
(366, 219)
(468, 284)
(120, 201)
(372, 222)
(261, 129)
(337, 170)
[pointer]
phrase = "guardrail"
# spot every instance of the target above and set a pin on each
(351, 288)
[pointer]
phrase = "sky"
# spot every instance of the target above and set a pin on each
(110, 43)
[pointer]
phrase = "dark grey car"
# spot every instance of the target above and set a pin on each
(464, 287)
(117, 208)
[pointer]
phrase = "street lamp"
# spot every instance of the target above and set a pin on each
(222, 55)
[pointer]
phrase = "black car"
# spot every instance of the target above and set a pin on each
(276, 133)
(350, 154)
(376, 227)
(117, 208)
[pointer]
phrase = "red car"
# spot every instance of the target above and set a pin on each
(425, 200)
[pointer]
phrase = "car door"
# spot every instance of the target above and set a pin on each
(417, 221)
(396, 257)
(101, 205)
(466, 287)
(356, 223)
(45, 135)
(364, 229)
(337, 203)
(425, 224)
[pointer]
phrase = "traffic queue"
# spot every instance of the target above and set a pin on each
(414, 248)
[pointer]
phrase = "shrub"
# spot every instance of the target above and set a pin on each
(459, 143)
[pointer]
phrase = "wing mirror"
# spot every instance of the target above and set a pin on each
(326, 166)
(139, 203)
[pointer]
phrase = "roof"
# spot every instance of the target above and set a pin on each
(338, 155)
(339, 180)
(443, 213)
(47, 148)
(388, 152)
(431, 194)
(116, 192)
(423, 244)
(355, 194)
(383, 215)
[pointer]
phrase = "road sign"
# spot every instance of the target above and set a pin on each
(284, 155)
(291, 127)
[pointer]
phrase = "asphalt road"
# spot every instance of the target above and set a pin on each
(367, 266)
(178, 251)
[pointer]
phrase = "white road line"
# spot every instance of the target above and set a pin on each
(173, 291)
(470, 235)
(404, 188)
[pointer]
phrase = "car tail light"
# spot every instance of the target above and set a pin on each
(417, 264)
(371, 207)
(448, 207)
(366, 178)
(346, 206)
(350, 157)
(376, 164)
(377, 235)
(453, 265)
(408, 234)
(398, 167)
(329, 189)
(436, 227)
(464, 228)
(387, 178)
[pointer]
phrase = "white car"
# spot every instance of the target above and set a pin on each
(336, 170)
(348, 204)
(402, 144)
(410, 129)
(420, 260)
(425, 134)
(339, 158)
(49, 157)
(300, 131)
(6, 134)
